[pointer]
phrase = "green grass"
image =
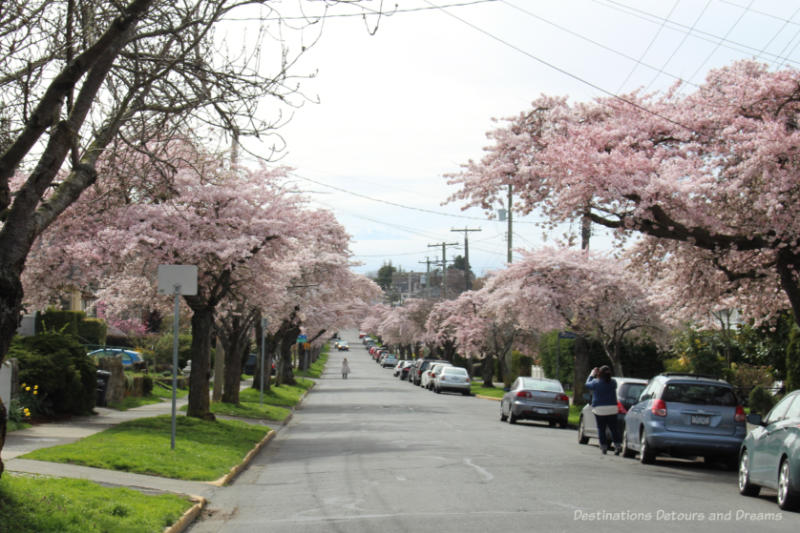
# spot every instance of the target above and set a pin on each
(14, 426)
(35, 504)
(250, 410)
(574, 415)
(284, 396)
(165, 392)
(317, 367)
(204, 450)
(130, 402)
(494, 392)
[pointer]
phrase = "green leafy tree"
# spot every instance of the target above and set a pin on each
(385, 274)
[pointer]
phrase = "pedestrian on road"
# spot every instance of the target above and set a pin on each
(345, 368)
(604, 406)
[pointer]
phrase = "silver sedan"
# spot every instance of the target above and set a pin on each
(535, 399)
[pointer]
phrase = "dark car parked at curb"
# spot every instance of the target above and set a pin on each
(628, 391)
(685, 415)
(770, 454)
(423, 366)
(535, 399)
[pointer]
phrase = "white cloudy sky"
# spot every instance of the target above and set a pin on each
(400, 108)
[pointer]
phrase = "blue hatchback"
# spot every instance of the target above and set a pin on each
(685, 415)
(130, 358)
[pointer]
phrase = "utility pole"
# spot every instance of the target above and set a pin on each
(467, 280)
(444, 246)
(427, 264)
(510, 189)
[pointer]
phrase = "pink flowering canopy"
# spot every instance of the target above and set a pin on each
(708, 177)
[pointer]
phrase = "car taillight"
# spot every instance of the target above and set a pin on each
(659, 408)
(740, 416)
(524, 394)
(562, 398)
(621, 408)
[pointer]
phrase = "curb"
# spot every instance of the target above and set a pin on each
(482, 397)
(236, 470)
(189, 516)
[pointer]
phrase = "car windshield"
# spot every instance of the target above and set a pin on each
(538, 384)
(631, 391)
(699, 394)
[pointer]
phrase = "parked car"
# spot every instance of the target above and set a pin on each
(628, 391)
(422, 367)
(770, 454)
(452, 378)
(535, 399)
(130, 358)
(406, 370)
(430, 374)
(389, 361)
(400, 366)
(685, 415)
(251, 364)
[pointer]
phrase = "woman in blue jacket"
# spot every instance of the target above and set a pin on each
(604, 406)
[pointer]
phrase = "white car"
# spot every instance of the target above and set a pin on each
(452, 378)
(430, 374)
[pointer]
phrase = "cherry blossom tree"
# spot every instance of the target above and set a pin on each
(706, 178)
(589, 293)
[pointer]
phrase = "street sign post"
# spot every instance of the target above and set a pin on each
(176, 280)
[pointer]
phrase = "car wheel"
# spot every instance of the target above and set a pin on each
(788, 499)
(745, 487)
(626, 449)
(551, 423)
(646, 456)
(503, 416)
(437, 390)
(466, 393)
(512, 419)
(582, 438)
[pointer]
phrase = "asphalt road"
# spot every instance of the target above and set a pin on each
(375, 454)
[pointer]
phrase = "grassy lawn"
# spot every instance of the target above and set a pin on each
(33, 504)
(165, 392)
(284, 396)
(494, 392)
(129, 402)
(250, 410)
(14, 426)
(318, 366)
(204, 450)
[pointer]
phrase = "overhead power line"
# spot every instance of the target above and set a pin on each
(395, 204)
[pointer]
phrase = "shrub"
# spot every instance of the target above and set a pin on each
(61, 321)
(58, 364)
(793, 361)
(760, 400)
(92, 331)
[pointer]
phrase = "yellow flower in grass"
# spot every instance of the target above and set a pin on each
(27, 389)
(36, 387)
(35, 392)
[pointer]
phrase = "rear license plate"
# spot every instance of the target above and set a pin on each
(701, 420)
(541, 411)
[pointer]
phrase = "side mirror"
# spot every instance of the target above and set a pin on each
(755, 419)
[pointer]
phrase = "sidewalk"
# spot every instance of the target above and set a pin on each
(53, 434)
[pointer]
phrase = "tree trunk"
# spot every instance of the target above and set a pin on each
(487, 371)
(285, 373)
(615, 355)
(235, 347)
(202, 325)
(10, 309)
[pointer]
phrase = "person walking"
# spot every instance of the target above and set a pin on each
(604, 406)
(345, 368)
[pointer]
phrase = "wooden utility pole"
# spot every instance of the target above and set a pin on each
(444, 246)
(467, 280)
(427, 264)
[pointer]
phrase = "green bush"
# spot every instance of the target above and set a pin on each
(163, 349)
(58, 365)
(92, 331)
(760, 400)
(793, 361)
(61, 321)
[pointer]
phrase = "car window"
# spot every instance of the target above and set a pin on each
(515, 384)
(699, 394)
(538, 384)
(454, 370)
(630, 392)
(780, 410)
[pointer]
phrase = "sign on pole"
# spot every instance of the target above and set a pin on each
(176, 280)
